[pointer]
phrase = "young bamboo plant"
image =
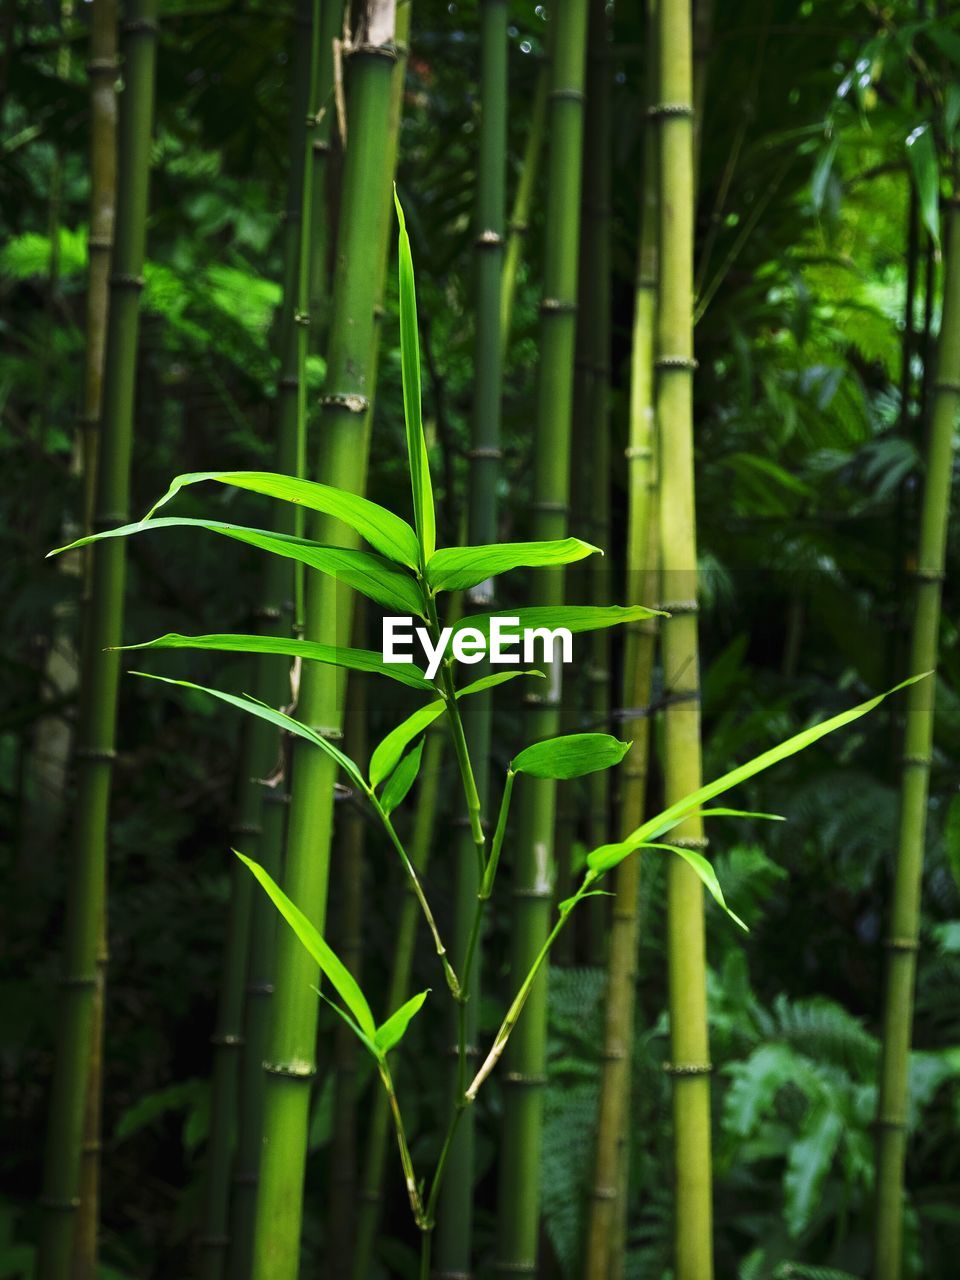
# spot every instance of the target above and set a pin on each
(407, 574)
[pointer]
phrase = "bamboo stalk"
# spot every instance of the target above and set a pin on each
(364, 222)
(102, 75)
(455, 1216)
(96, 729)
(690, 1066)
(606, 1243)
(915, 781)
(371, 1189)
(519, 1198)
(520, 214)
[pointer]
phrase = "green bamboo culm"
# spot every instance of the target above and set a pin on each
(364, 223)
(915, 780)
(519, 1188)
(259, 742)
(102, 74)
(689, 1044)
(522, 203)
(96, 726)
(455, 1215)
(378, 1130)
(606, 1226)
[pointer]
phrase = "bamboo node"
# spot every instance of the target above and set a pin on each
(61, 1203)
(516, 1268)
(469, 1051)
(518, 228)
(928, 574)
(571, 95)
(102, 67)
(344, 400)
(302, 318)
(518, 1077)
(638, 451)
(104, 243)
(389, 51)
(321, 146)
(485, 451)
(92, 1147)
(680, 606)
(670, 109)
(675, 362)
(688, 1068)
(691, 842)
(556, 306)
(915, 762)
(289, 382)
(894, 1122)
(139, 26)
(901, 944)
(604, 1193)
(125, 280)
(77, 981)
(944, 384)
(488, 239)
(460, 1275)
(616, 1055)
(535, 892)
(246, 829)
(98, 755)
(291, 1070)
(554, 508)
(267, 613)
(275, 796)
(259, 988)
(330, 732)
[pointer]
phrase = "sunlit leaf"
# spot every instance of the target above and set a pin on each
(576, 618)
(332, 968)
(412, 409)
(390, 1033)
(402, 779)
(922, 152)
(386, 532)
(570, 756)
(335, 655)
(456, 568)
(365, 572)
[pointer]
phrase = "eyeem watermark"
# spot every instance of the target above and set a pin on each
(504, 646)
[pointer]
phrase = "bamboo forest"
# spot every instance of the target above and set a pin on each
(480, 717)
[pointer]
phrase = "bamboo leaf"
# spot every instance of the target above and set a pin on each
(570, 756)
(342, 1013)
(706, 873)
(412, 406)
(387, 754)
(456, 568)
(334, 655)
(390, 1033)
(279, 718)
(741, 813)
(402, 779)
(365, 572)
(331, 966)
(576, 618)
(386, 532)
(922, 153)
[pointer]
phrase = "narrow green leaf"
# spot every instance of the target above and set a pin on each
(385, 532)
(821, 173)
(402, 779)
(922, 153)
(412, 409)
(387, 754)
(570, 756)
(335, 655)
(456, 568)
(342, 1013)
(567, 903)
(706, 873)
(741, 813)
(390, 1033)
(576, 618)
(332, 968)
(279, 718)
(365, 572)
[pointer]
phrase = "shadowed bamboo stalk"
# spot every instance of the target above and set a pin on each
(689, 1046)
(606, 1244)
(520, 214)
(96, 729)
(915, 781)
(102, 74)
(364, 222)
(378, 1131)
(519, 1192)
(258, 740)
(455, 1217)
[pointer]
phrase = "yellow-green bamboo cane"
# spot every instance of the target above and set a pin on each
(96, 730)
(689, 1041)
(914, 786)
(519, 1192)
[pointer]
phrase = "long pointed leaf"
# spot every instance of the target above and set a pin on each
(331, 966)
(570, 756)
(412, 405)
(365, 572)
(402, 779)
(391, 1032)
(335, 655)
(279, 718)
(706, 873)
(576, 618)
(386, 532)
(456, 568)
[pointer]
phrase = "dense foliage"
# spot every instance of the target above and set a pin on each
(811, 411)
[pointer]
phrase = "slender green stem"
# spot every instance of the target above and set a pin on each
(413, 1191)
(448, 972)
